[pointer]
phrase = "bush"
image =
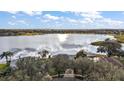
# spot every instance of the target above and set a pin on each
(81, 53)
(59, 64)
(99, 71)
(29, 69)
(42, 69)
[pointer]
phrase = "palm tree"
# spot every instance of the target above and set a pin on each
(44, 53)
(7, 55)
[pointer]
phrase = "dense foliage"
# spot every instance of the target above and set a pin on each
(33, 69)
(110, 47)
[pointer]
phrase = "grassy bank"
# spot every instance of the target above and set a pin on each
(27, 34)
(120, 38)
(98, 43)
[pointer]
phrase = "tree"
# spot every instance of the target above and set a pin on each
(43, 53)
(30, 68)
(111, 47)
(60, 63)
(7, 55)
(83, 66)
(98, 70)
(81, 53)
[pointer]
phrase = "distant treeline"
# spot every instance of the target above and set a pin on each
(16, 32)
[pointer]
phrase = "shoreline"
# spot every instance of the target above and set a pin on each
(31, 32)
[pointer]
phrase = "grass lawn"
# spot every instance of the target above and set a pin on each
(3, 66)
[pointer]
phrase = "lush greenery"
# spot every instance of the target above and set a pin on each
(31, 68)
(110, 47)
(8, 56)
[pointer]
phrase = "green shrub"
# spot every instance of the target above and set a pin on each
(99, 70)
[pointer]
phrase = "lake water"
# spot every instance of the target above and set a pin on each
(55, 43)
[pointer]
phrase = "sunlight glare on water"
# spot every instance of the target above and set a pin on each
(62, 37)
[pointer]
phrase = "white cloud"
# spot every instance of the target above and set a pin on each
(112, 22)
(92, 15)
(45, 20)
(96, 18)
(13, 12)
(72, 20)
(88, 20)
(88, 17)
(14, 17)
(31, 13)
(16, 22)
(51, 17)
(11, 23)
(22, 22)
(81, 19)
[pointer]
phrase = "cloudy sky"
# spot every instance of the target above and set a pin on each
(61, 19)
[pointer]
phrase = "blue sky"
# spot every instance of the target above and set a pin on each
(61, 19)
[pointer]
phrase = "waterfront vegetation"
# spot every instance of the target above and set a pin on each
(39, 69)
(97, 43)
(54, 68)
(29, 32)
(111, 47)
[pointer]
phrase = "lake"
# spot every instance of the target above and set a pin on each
(55, 43)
